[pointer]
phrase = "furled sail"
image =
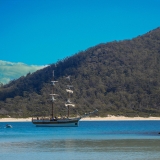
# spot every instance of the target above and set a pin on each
(53, 99)
(53, 82)
(54, 94)
(69, 90)
(69, 103)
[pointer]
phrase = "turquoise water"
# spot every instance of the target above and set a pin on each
(92, 140)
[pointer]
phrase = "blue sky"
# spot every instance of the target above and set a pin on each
(40, 32)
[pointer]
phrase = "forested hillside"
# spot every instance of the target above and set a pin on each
(120, 78)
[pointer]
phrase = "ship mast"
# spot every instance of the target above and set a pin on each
(53, 99)
(69, 91)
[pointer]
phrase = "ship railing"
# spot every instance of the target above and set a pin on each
(40, 118)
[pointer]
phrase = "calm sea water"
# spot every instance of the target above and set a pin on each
(92, 140)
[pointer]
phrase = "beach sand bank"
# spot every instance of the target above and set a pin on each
(15, 119)
(109, 118)
(118, 118)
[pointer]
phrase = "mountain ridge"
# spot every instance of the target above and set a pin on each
(119, 77)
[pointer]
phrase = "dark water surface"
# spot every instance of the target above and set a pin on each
(91, 140)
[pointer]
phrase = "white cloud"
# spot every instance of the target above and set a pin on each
(10, 70)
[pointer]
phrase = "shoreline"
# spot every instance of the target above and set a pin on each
(16, 119)
(119, 118)
(109, 118)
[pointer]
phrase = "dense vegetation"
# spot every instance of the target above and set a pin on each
(120, 78)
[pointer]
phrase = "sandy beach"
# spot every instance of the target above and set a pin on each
(15, 119)
(118, 118)
(109, 118)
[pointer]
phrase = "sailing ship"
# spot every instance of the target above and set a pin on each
(60, 121)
